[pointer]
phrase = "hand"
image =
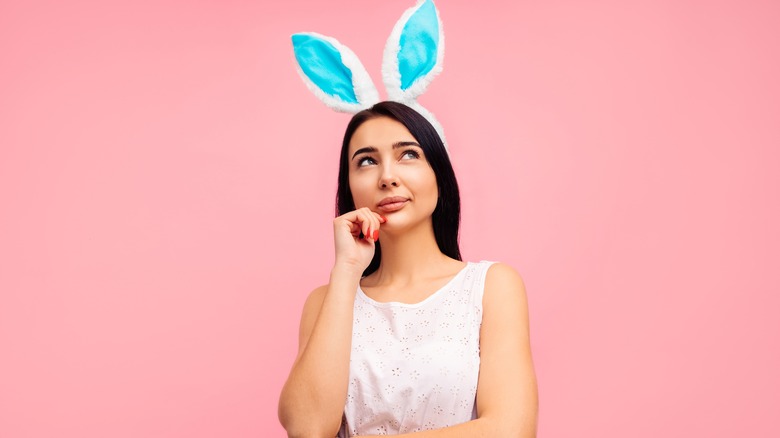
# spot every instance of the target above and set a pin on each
(352, 250)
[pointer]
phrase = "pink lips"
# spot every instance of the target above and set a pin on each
(394, 203)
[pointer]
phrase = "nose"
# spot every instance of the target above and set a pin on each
(388, 177)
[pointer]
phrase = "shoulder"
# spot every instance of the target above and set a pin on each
(502, 277)
(311, 310)
(312, 306)
(503, 285)
(318, 291)
(315, 298)
(507, 388)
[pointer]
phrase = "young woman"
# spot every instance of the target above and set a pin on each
(407, 339)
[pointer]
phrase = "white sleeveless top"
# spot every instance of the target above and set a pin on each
(414, 367)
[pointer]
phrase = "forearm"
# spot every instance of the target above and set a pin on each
(312, 401)
(470, 429)
(481, 427)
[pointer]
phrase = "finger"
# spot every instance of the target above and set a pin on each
(346, 221)
(370, 222)
(377, 225)
(351, 222)
(374, 221)
(381, 218)
(366, 223)
(356, 220)
(354, 228)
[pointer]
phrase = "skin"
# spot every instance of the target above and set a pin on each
(412, 267)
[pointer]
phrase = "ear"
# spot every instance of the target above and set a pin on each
(333, 73)
(414, 52)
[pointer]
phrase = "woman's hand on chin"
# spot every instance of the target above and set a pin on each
(354, 236)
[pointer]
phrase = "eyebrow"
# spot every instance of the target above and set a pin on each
(396, 145)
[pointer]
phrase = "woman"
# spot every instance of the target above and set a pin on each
(406, 338)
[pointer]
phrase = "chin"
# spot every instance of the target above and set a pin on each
(399, 222)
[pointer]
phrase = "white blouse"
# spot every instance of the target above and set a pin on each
(415, 367)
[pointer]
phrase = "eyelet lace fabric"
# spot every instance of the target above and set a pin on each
(414, 367)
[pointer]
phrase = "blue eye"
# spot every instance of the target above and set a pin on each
(362, 160)
(411, 152)
(368, 160)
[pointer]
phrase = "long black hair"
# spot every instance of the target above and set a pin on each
(446, 216)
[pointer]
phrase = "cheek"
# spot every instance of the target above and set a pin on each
(425, 183)
(430, 180)
(360, 195)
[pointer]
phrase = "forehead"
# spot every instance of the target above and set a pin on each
(379, 132)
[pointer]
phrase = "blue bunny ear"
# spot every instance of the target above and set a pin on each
(333, 73)
(414, 52)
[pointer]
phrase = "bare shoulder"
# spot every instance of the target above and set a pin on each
(311, 310)
(314, 301)
(507, 387)
(503, 282)
(318, 293)
(504, 298)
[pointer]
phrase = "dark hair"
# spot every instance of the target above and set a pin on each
(446, 216)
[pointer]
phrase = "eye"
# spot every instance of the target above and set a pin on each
(361, 161)
(411, 152)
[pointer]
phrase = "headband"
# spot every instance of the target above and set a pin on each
(413, 56)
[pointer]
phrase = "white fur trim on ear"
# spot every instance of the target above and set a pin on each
(391, 74)
(430, 117)
(363, 87)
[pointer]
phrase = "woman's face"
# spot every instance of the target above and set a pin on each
(388, 173)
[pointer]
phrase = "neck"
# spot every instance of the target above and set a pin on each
(409, 255)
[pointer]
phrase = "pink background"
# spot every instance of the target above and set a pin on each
(167, 186)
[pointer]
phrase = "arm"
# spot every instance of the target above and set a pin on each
(313, 398)
(507, 394)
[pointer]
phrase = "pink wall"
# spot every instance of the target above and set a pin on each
(167, 185)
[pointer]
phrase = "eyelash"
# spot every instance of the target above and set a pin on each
(408, 151)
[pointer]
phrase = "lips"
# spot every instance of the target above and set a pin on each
(393, 203)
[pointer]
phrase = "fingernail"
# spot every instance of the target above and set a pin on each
(376, 234)
(369, 234)
(383, 218)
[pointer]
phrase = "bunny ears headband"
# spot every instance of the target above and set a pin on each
(413, 56)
